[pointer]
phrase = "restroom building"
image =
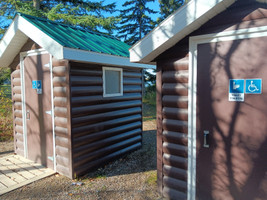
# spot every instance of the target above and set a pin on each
(211, 99)
(77, 99)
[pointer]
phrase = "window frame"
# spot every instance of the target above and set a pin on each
(104, 68)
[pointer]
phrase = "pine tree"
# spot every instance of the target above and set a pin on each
(83, 13)
(167, 7)
(135, 23)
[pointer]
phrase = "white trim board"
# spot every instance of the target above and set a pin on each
(53, 112)
(24, 121)
(99, 58)
(24, 125)
(178, 25)
(192, 91)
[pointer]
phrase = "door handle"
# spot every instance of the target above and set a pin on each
(27, 114)
(206, 139)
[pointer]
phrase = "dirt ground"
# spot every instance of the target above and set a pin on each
(130, 177)
(6, 148)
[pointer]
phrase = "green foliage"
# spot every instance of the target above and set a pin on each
(82, 13)
(135, 23)
(150, 96)
(167, 7)
(85, 15)
(6, 119)
(4, 75)
(149, 103)
(150, 78)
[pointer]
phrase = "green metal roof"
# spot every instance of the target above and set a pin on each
(76, 38)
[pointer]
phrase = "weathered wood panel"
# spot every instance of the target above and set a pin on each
(103, 128)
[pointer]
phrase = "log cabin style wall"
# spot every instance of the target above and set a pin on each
(17, 112)
(89, 129)
(62, 116)
(172, 116)
(103, 128)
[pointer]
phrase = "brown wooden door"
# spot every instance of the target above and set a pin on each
(234, 166)
(38, 110)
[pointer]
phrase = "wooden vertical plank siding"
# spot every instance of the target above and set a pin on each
(62, 117)
(103, 128)
(17, 112)
(172, 127)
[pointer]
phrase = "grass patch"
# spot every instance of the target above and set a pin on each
(149, 112)
(149, 105)
(101, 176)
(152, 178)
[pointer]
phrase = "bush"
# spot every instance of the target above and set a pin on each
(150, 95)
(6, 118)
(149, 104)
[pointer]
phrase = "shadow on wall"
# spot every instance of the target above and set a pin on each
(37, 129)
(235, 164)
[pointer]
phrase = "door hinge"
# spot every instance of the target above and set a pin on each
(47, 65)
(49, 112)
(50, 158)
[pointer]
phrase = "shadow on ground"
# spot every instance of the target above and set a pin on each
(141, 160)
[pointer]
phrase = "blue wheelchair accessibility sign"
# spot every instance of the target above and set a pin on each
(37, 84)
(253, 86)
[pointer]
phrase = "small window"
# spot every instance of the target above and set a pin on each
(112, 82)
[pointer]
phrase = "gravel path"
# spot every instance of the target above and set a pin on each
(131, 177)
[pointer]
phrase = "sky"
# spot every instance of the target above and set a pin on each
(152, 5)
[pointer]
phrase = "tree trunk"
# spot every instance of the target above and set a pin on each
(36, 4)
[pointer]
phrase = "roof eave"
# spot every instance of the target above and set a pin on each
(11, 43)
(20, 30)
(17, 35)
(100, 58)
(180, 24)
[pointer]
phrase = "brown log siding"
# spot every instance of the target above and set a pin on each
(62, 112)
(172, 88)
(103, 128)
(17, 112)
